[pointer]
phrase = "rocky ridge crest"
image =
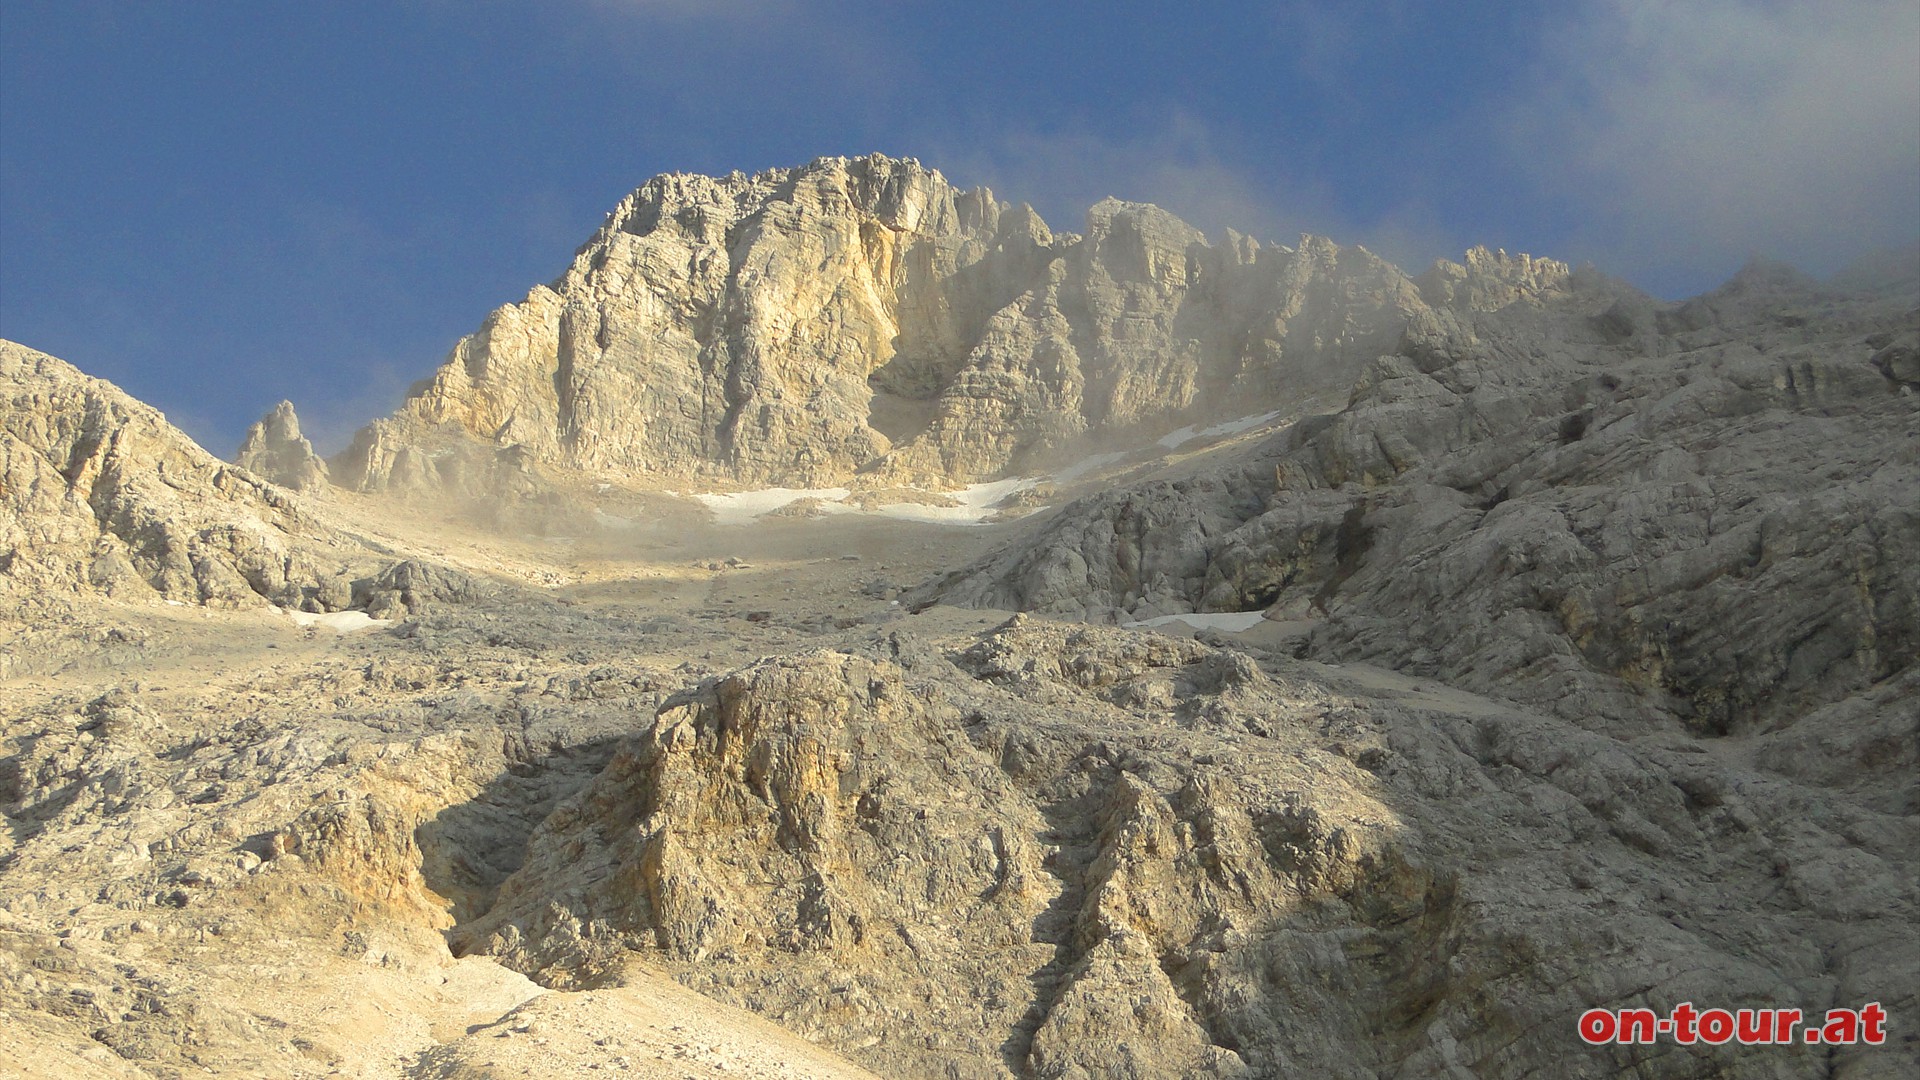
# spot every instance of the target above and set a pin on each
(1588, 679)
(102, 494)
(101, 497)
(865, 317)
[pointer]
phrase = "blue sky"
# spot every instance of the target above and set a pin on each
(218, 205)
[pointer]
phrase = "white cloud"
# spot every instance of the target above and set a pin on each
(1695, 133)
(1182, 163)
(1174, 161)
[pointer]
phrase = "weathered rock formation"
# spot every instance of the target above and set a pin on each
(275, 450)
(1620, 510)
(100, 496)
(99, 493)
(1073, 852)
(804, 325)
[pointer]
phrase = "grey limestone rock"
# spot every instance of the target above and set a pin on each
(275, 450)
(1596, 686)
(1713, 523)
(98, 493)
(417, 587)
(1076, 851)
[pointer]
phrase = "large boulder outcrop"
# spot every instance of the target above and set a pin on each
(1065, 852)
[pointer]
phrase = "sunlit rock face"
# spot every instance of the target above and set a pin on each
(100, 495)
(805, 325)
(1563, 656)
(275, 450)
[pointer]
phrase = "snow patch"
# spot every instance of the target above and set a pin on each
(342, 622)
(741, 507)
(976, 503)
(1181, 436)
(1229, 621)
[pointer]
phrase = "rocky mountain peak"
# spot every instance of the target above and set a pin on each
(275, 450)
(898, 193)
(1490, 279)
(1543, 637)
(864, 317)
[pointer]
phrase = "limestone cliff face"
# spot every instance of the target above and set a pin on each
(851, 315)
(1080, 852)
(738, 325)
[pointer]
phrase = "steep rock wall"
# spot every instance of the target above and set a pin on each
(804, 325)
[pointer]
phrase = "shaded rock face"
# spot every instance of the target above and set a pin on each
(802, 325)
(275, 450)
(1567, 504)
(1081, 852)
(101, 494)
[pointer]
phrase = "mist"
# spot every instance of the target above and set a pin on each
(1686, 138)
